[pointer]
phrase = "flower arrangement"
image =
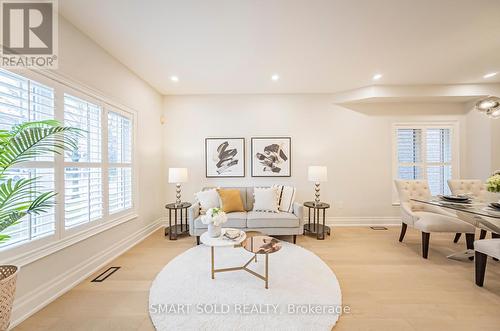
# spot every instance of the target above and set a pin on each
(214, 216)
(493, 183)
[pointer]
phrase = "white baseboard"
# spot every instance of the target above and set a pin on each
(35, 300)
(363, 221)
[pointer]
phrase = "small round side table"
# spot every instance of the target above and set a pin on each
(177, 229)
(314, 227)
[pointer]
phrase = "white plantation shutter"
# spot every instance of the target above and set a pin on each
(425, 153)
(94, 183)
(438, 159)
(120, 189)
(84, 115)
(24, 100)
(409, 153)
(120, 162)
(83, 167)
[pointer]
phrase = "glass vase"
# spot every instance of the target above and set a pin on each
(214, 231)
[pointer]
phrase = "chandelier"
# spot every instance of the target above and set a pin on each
(489, 106)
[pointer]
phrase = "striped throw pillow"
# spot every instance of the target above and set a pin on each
(286, 196)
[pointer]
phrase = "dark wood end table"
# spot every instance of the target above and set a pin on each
(315, 227)
(177, 229)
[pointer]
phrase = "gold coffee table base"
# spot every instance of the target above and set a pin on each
(244, 267)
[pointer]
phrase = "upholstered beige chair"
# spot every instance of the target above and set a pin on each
(427, 218)
(474, 188)
(485, 248)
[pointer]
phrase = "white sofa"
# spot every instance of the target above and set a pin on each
(281, 223)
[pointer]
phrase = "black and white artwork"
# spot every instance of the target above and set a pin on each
(271, 157)
(225, 157)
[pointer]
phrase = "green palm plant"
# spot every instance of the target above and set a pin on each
(20, 144)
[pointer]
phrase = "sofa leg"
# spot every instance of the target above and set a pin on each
(482, 235)
(457, 237)
(469, 239)
(197, 240)
(294, 238)
(404, 226)
(425, 244)
(481, 260)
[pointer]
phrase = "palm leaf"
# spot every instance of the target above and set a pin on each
(10, 219)
(42, 203)
(16, 194)
(35, 139)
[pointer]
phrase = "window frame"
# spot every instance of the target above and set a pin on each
(27, 252)
(455, 149)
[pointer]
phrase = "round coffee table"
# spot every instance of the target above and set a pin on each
(261, 245)
(256, 244)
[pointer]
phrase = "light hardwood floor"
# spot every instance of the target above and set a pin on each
(387, 284)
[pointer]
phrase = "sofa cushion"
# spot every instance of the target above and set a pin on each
(230, 200)
(258, 219)
(234, 220)
(266, 199)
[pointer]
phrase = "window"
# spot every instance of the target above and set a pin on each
(95, 182)
(24, 100)
(83, 167)
(425, 152)
(120, 162)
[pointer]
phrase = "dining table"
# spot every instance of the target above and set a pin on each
(477, 213)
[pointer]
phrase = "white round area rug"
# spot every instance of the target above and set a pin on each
(303, 293)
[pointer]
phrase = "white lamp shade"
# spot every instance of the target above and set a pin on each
(177, 175)
(317, 174)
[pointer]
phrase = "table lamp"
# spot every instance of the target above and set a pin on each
(177, 176)
(317, 174)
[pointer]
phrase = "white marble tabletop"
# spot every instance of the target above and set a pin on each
(221, 240)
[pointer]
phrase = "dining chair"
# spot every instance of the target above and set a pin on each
(427, 218)
(476, 189)
(485, 248)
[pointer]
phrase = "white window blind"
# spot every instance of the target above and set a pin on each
(83, 167)
(94, 184)
(24, 100)
(120, 162)
(425, 153)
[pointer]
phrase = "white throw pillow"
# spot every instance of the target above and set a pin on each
(286, 197)
(266, 199)
(208, 199)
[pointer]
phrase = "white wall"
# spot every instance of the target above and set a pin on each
(82, 60)
(495, 145)
(355, 143)
(478, 146)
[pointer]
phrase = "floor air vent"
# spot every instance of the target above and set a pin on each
(103, 276)
(378, 228)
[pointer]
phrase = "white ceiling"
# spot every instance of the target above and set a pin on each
(316, 46)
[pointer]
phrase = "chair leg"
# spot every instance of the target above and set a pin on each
(469, 239)
(481, 260)
(197, 240)
(457, 237)
(482, 235)
(425, 244)
(403, 231)
(294, 238)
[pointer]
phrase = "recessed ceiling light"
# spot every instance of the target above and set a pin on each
(491, 74)
(174, 78)
(377, 76)
(275, 77)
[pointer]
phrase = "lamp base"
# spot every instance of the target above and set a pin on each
(316, 200)
(178, 195)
